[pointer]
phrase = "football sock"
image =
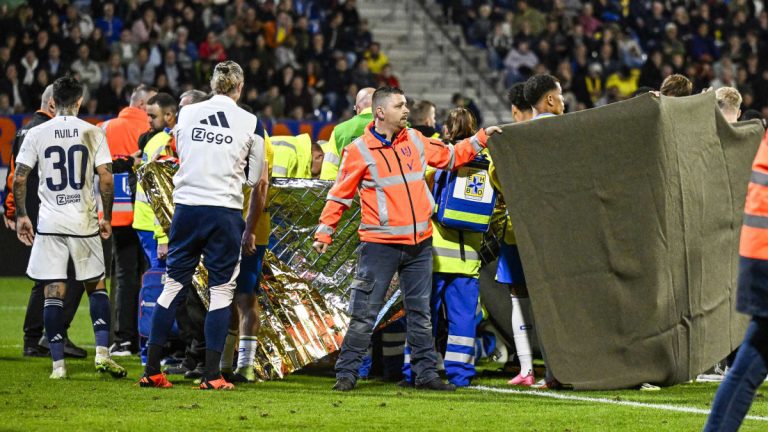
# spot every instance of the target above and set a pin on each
(520, 336)
(53, 320)
(99, 306)
(246, 352)
(227, 356)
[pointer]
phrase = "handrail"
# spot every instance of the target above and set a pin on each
(498, 107)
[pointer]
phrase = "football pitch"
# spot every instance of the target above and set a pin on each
(304, 401)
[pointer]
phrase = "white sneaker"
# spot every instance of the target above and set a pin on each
(648, 387)
(717, 375)
(59, 373)
(120, 350)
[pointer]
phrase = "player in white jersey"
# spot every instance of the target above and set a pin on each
(69, 153)
(216, 141)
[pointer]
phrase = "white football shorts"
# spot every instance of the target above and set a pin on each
(50, 255)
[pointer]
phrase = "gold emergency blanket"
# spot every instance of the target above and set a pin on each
(304, 295)
(157, 180)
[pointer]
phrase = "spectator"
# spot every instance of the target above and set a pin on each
(480, 30)
(499, 43)
(140, 71)
(125, 47)
(74, 19)
(212, 49)
(113, 67)
(387, 79)
(89, 70)
(588, 22)
(228, 36)
(109, 24)
(257, 75)
(624, 83)
(278, 31)
(375, 58)
(274, 101)
(299, 97)
(16, 91)
(240, 51)
(29, 66)
(55, 66)
(42, 44)
(362, 75)
(5, 104)
(672, 45)
(172, 72)
(520, 62)
(530, 16)
(651, 74)
(36, 89)
(113, 97)
(362, 37)
(143, 27)
(186, 52)
(98, 46)
(703, 46)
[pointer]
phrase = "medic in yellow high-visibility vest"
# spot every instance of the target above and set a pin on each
(296, 157)
(456, 272)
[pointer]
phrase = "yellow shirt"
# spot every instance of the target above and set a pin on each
(263, 226)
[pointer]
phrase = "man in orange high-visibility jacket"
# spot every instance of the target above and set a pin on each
(386, 166)
(736, 393)
(123, 134)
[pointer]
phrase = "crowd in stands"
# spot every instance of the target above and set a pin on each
(303, 59)
(604, 50)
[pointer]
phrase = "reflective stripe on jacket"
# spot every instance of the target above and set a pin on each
(395, 199)
(292, 156)
(331, 161)
(455, 252)
(123, 140)
(143, 215)
(754, 231)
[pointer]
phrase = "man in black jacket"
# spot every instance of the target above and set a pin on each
(35, 345)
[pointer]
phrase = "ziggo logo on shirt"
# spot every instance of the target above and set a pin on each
(200, 134)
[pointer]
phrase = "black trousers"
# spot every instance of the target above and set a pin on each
(129, 264)
(191, 320)
(33, 320)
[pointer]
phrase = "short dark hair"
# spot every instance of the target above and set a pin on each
(420, 110)
(676, 86)
(516, 97)
(165, 101)
(537, 86)
(67, 91)
(382, 93)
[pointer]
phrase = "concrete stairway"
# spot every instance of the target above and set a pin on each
(430, 58)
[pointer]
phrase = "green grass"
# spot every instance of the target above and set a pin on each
(88, 401)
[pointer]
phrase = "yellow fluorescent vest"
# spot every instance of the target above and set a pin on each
(292, 156)
(143, 215)
(509, 233)
(263, 226)
(331, 161)
(454, 251)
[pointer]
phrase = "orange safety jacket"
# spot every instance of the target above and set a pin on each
(396, 202)
(123, 134)
(754, 231)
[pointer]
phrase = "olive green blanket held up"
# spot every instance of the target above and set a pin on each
(627, 219)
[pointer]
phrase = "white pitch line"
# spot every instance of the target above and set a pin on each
(554, 395)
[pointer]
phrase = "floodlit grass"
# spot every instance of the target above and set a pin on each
(88, 401)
